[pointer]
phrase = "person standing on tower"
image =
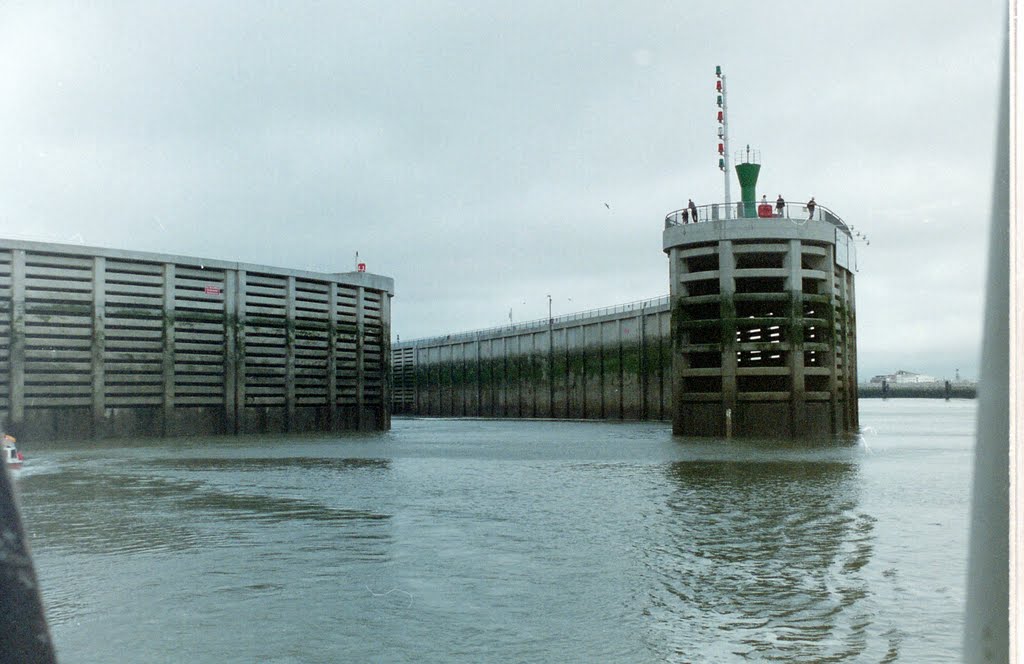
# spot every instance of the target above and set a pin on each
(810, 208)
(780, 205)
(693, 210)
(686, 216)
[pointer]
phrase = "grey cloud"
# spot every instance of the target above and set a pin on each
(468, 150)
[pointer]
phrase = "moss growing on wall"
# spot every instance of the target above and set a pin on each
(521, 383)
(728, 322)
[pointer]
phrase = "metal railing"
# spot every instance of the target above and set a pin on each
(637, 305)
(794, 212)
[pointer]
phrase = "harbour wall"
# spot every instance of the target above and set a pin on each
(99, 343)
(609, 364)
(919, 391)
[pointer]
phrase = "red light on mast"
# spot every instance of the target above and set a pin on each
(718, 85)
(721, 148)
(721, 116)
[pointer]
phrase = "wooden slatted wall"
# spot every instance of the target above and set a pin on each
(89, 336)
(58, 331)
(5, 330)
(134, 334)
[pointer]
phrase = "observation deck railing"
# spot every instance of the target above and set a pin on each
(638, 305)
(738, 211)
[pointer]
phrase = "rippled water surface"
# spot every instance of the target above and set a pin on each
(468, 540)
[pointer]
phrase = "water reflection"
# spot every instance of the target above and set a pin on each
(257, 464)
(271, 508)
(83, 511)
(762, 559)
(174, 504)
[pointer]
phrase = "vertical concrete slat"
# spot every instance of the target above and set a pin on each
(445, 360)
(468, 384)
(460, 378)
(360, 356)
(665, 357)
(240, 353)
(503, 409)
(794, 284)
(835, 415)
(230, 358)
(518, 366)
(622, 371)
(551, 367)
(289, 355)
(850, 337)
(727, 290)
(99, 298)
(679, 359)
(17, 385)
(675, 296)
(466, 376)
(643, 380)
(385, 362)
(842, 350)
(601, 378)
(168, 346)
(583, 371)
(417, 402)
(332, 356)
(479, 380)
(850, 356)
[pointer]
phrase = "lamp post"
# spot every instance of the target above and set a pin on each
(550, 318)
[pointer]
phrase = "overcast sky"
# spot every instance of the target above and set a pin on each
(468, 149)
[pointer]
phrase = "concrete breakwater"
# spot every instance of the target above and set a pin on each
(606, 364)
(919, 391)
(97, 343)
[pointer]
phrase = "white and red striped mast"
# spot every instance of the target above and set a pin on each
(723, 136)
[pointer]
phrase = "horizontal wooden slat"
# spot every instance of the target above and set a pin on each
(260, 279)
(137, 366)
(69, 389)
(116, 300)
(127, 401)
(136, 388)
(57, 402)
(48, 296)
(33, 259)
(276, 292)
(263, 401)
(199, 379)
(186, 273)
(133, 378)
(262, 390)
(197, 401)
(135, 267)
(58, 367)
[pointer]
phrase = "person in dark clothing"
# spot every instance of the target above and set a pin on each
(686, 216)
(693, 210)
(780, 205)
(810, 208)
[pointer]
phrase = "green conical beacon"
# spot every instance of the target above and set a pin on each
(747, 172)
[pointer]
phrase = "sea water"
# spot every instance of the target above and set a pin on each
(517, 541)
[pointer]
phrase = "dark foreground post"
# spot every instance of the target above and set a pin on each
(24, 636)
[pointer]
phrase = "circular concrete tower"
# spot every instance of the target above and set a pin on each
(763, 322)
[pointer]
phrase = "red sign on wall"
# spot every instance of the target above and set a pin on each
(212, 290)
(361, 267)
